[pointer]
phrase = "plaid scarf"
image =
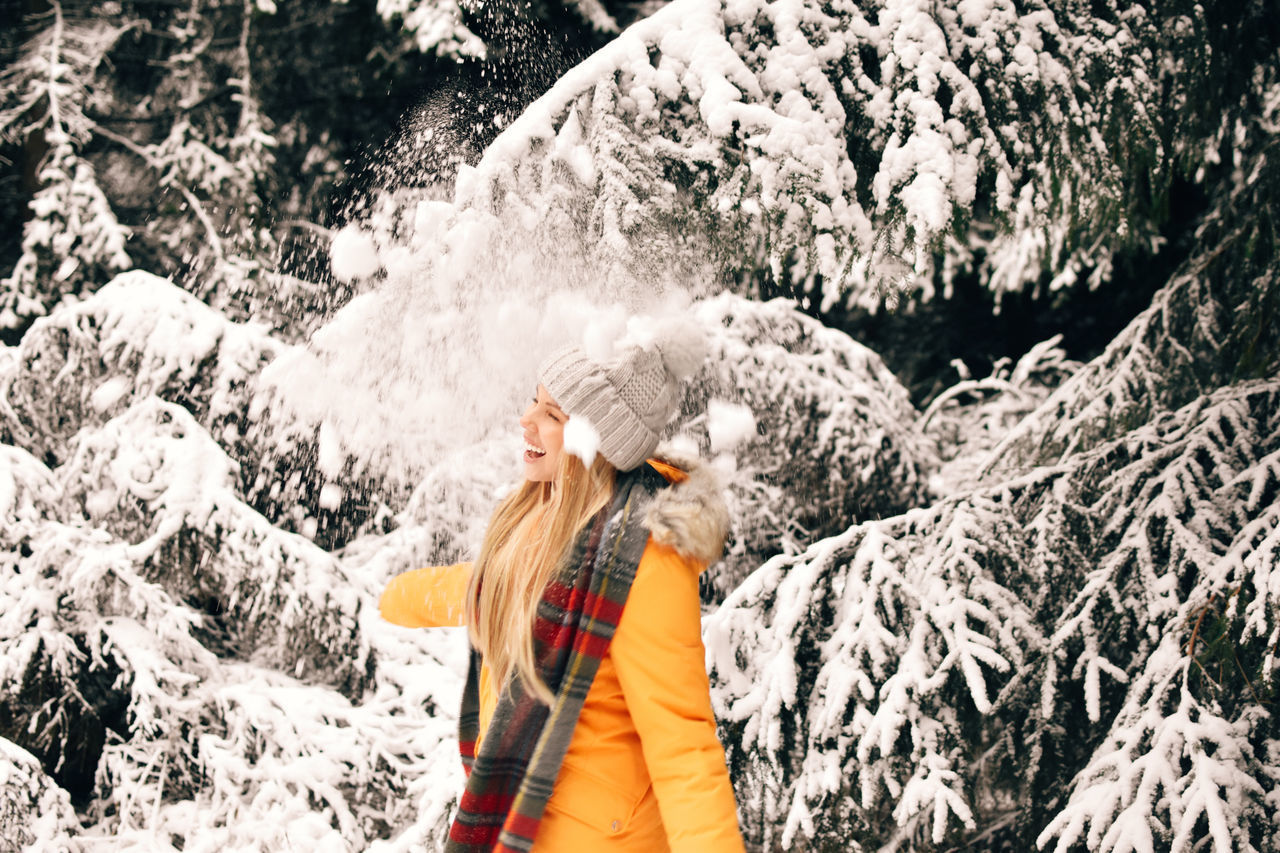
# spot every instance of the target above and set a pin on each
(510, 781)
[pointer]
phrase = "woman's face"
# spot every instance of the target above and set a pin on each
(543, 425)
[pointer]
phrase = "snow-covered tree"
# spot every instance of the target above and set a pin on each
(1078, 650)
(1102, 628)
(436, 25)
(831, 436)
(188, 671)
(840, 150)
(34, 812)
(73, 239)
(204, 140)
(1213, 324)
(972, 416)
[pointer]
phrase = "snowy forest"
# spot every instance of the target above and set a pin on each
(990, 288)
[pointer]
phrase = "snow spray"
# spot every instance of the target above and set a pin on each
(457, 303)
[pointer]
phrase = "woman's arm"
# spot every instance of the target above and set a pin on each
(433, 597)
(661, 664)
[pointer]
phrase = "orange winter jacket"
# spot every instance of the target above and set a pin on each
(644, 771)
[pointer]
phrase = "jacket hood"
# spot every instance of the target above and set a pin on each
(690, 515)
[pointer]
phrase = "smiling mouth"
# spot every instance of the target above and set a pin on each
(531, 452)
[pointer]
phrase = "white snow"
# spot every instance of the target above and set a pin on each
(353, 254)
(330, 496)
(109, 393)
(436, 26)
(729, 425)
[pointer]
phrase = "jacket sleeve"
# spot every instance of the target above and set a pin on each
(433, 597)
(661, 665)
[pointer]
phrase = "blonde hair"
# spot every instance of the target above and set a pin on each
(528, 538)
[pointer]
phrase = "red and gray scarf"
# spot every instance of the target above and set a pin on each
(510, 780)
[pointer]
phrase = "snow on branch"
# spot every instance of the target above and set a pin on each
(847, 671)
(35, 814)
(1152, 362)
(971, 417)
(1207, 327)
(138, 336)
(443, 519)
(832, 147)
(1107, 624)
(79, 667)
(141, 336)
(435, 26)
(1190, 546)
(153, 477)
(279, 762)
(163, 646)
(594, 13)
(1180, 771)
(58, 102)
(832, 441)
(72, 240)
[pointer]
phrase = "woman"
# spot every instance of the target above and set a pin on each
(586, 720)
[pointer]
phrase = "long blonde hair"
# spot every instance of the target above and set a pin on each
(528, 537)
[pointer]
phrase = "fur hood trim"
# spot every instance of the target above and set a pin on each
(690, 516)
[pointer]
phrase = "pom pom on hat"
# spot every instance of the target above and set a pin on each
(683, 347)
(581, 439)
(631, 397)
(680, 341)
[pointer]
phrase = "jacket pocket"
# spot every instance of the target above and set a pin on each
(601, 804)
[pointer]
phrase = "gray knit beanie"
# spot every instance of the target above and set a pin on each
(630, 398)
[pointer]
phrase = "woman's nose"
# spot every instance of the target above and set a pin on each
(525, 422)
